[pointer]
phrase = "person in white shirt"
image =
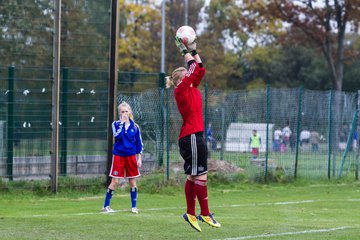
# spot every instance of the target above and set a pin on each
(277, 140)
(304, 137)
(286, 133)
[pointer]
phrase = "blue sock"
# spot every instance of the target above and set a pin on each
(133, 195)
(108, 196)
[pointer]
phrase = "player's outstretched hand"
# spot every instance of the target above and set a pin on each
(181, 46)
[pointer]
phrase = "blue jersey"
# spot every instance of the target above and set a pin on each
(128, 141)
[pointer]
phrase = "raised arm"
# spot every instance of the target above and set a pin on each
(196, 56)
(191, 56)
(192, 49)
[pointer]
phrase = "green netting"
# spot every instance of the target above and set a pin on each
(148, 109)
(26, 99)
(318, 147)
(320, 126)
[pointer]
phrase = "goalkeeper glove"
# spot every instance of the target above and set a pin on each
(181, 46)
(192, 48)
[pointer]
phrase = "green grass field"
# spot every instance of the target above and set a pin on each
(246, 211)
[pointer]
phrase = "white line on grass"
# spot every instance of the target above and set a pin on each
(354, 200)
(274, 203)
(174, 208)
(287, 233)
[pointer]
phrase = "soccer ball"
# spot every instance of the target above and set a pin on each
(187, 34)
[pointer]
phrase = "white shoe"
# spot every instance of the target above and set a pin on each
(134, 210)
(107, 209)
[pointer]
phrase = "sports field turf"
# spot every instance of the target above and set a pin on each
(323, 211)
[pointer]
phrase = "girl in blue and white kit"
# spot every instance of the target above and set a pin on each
(127, 152)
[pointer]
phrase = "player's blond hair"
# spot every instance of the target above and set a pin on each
(172, 80)
(125, 104)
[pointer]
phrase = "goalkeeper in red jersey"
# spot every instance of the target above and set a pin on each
(192, 143)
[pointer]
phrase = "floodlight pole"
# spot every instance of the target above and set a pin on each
(163, 37)
(186, 22)
(54, 171)
(113, 79)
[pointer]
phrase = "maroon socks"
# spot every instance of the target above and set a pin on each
(190, 195)
(197, 189)
(202, 195)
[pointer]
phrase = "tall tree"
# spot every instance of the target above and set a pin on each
(83, 43)
(222, 30)
(324, 24)
(352, 65)
(140, 34)
(233, 31)
(25, 33)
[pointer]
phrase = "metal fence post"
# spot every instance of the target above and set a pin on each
(330, 133)
(10, 123)
(267, 128)
(298, 130)
(222, 133)
(349, 141)
(167, 125)
(206, 112)
(64, 116)
(162, 125)
(113, 80)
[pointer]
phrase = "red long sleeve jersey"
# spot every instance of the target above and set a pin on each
(189, 100)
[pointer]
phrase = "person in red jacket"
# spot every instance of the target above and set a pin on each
(192, 142)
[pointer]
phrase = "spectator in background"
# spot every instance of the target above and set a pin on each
(286, 133)
(210, 138)
(314, 140)
(255, 143)
(304, 137)
(356, 138)
(277, 140)
(343, 135)
(293, 141)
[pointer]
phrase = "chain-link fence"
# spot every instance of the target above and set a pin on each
(25, 120)
(304, 133)
(320, 141)
(26, 45)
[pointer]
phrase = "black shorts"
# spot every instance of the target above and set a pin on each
(194, 151)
